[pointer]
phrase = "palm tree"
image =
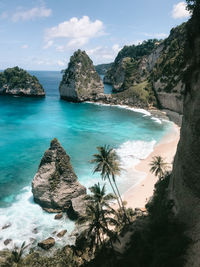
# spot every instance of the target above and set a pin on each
(98, 220)
(99, 196)
(107, 163)
(158, 166)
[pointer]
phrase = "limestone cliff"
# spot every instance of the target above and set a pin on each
(16, 81)
(55, 186)
(80, 80)
(185, 181)
(131, 66)
(159, 63)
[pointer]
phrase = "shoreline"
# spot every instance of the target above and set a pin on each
(137, 196)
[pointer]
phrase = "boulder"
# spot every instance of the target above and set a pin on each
(80, 80)
(7, 241)
(6, 226)
(61, 233)
(55, 186)
(47, 243)
(58, 216)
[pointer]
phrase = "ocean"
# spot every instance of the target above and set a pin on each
(27, 125)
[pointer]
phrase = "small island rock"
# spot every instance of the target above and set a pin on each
(80, 80)
(18, 82)
(55, 185)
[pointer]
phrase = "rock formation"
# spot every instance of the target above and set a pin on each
(16, 81)
(80, 80)
(185, 180)
(55, 187)
(159, 63)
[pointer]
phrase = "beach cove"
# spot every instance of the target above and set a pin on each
(28, 126)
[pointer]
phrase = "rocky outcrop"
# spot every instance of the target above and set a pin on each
(80, 80)
(185, 180)
(47, 243)
(16, 81)
(55, 186)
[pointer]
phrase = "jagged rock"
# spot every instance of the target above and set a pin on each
(61, 233)
(7, 241)
(58, 216)
(55, 186)
(80, 80)
(6, 226)
(47, 243)
(16, 81)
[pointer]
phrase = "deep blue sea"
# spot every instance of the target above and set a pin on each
(27, 125)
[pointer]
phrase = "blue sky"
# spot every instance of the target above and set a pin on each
(42, 35)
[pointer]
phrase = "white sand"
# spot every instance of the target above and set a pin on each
(137, 196)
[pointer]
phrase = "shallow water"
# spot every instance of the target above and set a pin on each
(27, 125)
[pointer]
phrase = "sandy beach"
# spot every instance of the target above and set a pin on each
(137, 196)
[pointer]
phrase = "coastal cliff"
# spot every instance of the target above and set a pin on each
(55, 186)
(80, 80)
(16, 81)
(158, 63)
(185, 180)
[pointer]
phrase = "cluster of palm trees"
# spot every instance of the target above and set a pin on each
(100, 217)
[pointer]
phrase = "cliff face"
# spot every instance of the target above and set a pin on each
(167, 73)
(80, 80)
(160, 63)
(55, 186)
(185, 181)
(131, 66)
(16, 81)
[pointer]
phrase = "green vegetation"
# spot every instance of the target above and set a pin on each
(107, 163)
(170, 65)
(81, 70)
(99, 217)
(141, 93)
(18, 252)
(18, 78)
(137, 51)
(157, 239)
(158, 166)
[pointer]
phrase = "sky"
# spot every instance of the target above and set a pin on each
(43, 34)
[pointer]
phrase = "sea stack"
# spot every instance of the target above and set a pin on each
(18, 82)
(55, 186)
(80, 80)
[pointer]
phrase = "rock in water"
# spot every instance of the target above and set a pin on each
(55, 185)
(80, 80)
(16, 81)
(47, 243)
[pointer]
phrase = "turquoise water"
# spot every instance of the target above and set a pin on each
(27, 125)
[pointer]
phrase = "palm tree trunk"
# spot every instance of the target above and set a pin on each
(121, 200)
(114, 192)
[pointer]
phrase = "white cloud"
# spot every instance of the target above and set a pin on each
(78, 32)
(179, 11)
(103, 54)
(31, 13)
(25, 46)
(48, 44)
(49, 62)
(156, 35)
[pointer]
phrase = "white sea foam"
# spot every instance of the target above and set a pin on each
(139, 110)
(130, 154)
(25, 216)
